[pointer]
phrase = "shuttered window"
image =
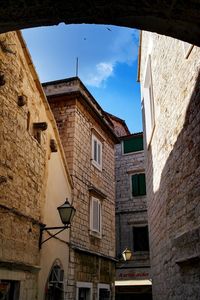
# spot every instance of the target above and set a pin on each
(133, 144)
(96, 152)
(95, 215)
(138, 184)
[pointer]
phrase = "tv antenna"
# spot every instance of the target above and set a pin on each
(77, 67)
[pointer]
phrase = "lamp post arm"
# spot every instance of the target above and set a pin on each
(50, 228)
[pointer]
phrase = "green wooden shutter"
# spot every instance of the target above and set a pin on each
(133, 144)
(135, 190)
(142, 184)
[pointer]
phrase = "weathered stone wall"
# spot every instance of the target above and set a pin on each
(23, 159)
(76, 123)
(119, 128)
(130, 211)
(25, 163)
(173, 168)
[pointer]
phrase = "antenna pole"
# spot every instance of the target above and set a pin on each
(77, 67)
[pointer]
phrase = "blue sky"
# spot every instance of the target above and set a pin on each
(107, 63)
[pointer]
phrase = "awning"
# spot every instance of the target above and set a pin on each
(133, 282)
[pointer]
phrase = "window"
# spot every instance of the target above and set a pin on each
(138, 184)
(140, 239)
(148, 103)
(83, 291)
(103, 291)
(96, 152)
(9, 289)
(95, 216)
(54, 288)
(133, 144)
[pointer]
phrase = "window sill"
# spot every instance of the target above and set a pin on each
(139, 196)
(133, 152)
(97, 166)
(95, 234)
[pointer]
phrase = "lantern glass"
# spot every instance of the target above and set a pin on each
(66, 212)
(127, 254)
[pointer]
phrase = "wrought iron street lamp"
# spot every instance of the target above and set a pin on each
(66, 212)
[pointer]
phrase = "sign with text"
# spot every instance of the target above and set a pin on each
(132, 273)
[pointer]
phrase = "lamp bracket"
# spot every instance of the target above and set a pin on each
(44, 228)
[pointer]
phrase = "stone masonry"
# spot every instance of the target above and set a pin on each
(24, 156)
(78, 116)
(173, 167)
(22, 165)
(129, 210)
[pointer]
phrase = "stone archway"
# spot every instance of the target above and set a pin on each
(179, 19)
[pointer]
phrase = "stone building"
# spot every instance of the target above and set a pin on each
(88, 142)
(169, 76)
(31, 155)
(132, 277)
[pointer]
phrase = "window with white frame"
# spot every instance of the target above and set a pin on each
(96, 152)
(83, 290)
(104, 291)
(95, 216)
(148, 103)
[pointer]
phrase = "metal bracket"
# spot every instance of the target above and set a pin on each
(44, 228)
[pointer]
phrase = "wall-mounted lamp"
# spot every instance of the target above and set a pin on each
(127, 254)
(66, 212)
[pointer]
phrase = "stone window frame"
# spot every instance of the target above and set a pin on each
(87, 285)
(93, 231)
(103, 286)
(95, 162)
(148, 109)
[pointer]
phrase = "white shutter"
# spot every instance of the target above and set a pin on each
(95, 216)
(96, 152)
(148, 103)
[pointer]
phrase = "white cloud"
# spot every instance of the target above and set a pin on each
(102, 71)
(99, 51)
(118, 46)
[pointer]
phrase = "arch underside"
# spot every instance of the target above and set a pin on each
(178, 19)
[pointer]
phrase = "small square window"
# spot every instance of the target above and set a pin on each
(95, 216)
(96, 152)
(133, 144)
(138, 183)
(84, 290)
(104, 292)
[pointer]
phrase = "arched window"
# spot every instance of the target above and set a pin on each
(54, 286)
